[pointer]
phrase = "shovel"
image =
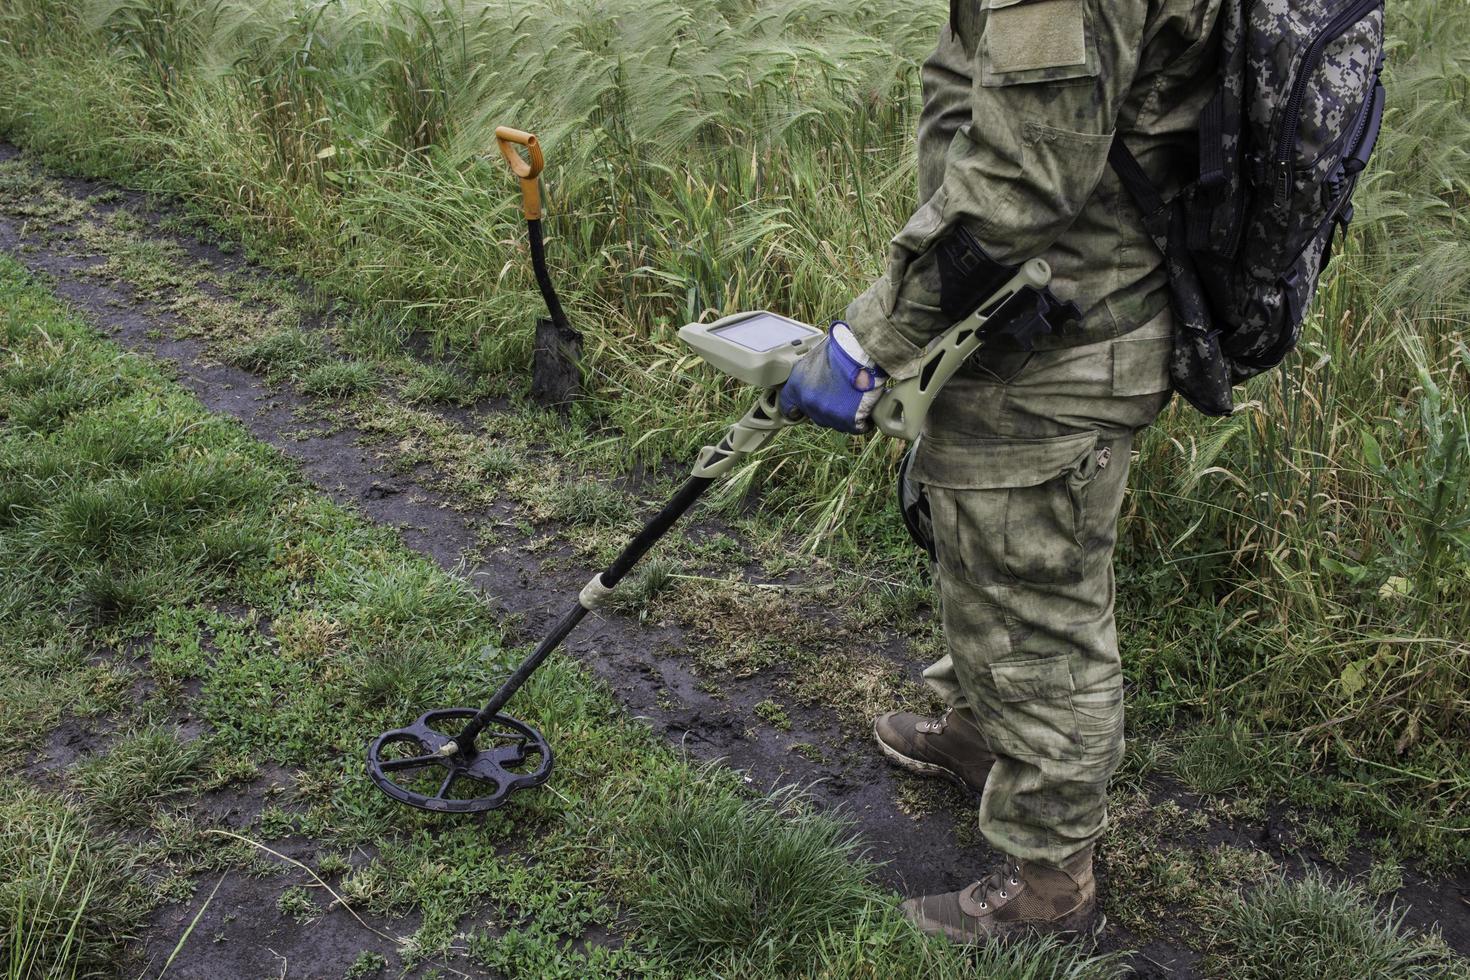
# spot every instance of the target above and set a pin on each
(556, 371)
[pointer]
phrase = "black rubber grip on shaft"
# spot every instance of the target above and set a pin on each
(636, 549)
(655, 529)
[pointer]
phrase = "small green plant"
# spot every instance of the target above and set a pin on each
(1333, 837)
(396, 676)
(756, 885)
(772, 713)
(1384, 878)
(367, 964)
(1222, 756)
(297, 903)
(332, 864)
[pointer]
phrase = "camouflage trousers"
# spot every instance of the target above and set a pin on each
(1025, 459)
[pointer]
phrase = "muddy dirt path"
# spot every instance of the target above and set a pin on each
(928, 848)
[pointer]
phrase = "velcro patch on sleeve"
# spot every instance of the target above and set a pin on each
(1024, 35)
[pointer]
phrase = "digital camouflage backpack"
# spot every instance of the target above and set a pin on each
(1281, 144)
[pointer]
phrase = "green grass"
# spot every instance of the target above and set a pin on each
(339, 379)
(285, 353)
(68, 894)
(765, 880)
(139, 770)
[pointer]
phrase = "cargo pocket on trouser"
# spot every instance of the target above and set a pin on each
(1037, 719)
(1015, 509)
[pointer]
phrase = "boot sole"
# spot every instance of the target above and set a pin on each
(919, 766)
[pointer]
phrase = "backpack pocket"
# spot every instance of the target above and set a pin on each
(1326, 91)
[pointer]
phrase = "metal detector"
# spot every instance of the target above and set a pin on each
(459, 760)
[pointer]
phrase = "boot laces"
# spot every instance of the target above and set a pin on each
(1000, 883)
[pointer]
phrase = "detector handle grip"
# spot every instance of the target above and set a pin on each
(901, 411)
(526, 168)
(756, 428)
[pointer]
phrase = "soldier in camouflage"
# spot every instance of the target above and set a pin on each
(1025, 455)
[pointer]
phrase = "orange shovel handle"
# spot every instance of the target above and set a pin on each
(527, 168)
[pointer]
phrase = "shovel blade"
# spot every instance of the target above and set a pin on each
(556, 365)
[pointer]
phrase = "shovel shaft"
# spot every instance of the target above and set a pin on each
(543, 275)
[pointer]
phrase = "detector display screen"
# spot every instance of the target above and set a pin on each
(763, 332)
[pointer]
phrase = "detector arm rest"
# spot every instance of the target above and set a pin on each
(1021, 310)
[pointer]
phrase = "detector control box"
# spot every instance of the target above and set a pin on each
(757, 348)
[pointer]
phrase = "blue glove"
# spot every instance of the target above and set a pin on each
(836, 384)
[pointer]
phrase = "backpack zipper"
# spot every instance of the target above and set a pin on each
(1292, 119)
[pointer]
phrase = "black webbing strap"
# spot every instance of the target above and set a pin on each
(1152, 207)
(1212, 142)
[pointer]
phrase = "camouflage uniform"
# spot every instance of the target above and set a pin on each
(1026, 457)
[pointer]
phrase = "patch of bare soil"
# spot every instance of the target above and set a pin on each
(651, 667)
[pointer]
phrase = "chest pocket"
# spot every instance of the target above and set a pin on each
(1025, 41)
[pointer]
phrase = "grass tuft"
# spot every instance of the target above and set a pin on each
(69, 897)
(750, 885)
(588, 502)
(1314, 928)
(138, 770)
(281, 354)
(338, 379)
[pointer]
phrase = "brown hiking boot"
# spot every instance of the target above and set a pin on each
(948, 746)
(1022, 896)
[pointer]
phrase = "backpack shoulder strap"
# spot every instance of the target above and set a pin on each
(1151, 205)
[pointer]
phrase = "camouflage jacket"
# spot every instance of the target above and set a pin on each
(1048, 82)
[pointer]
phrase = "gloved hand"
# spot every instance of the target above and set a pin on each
(836, 384)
